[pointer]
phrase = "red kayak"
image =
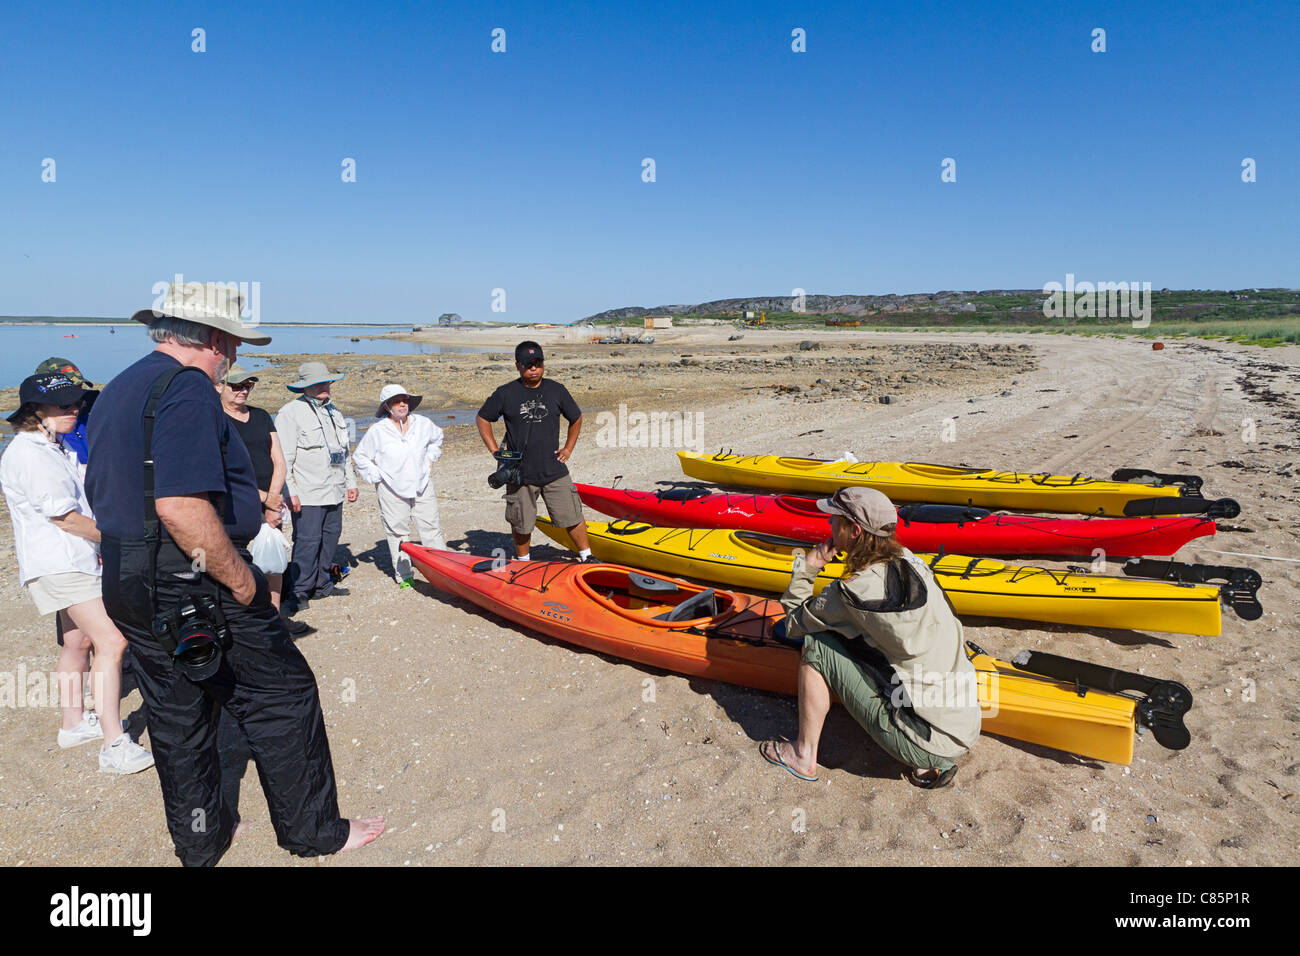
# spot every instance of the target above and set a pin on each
(930, 528)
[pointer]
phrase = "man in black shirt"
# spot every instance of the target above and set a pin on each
(532, 407)
(175, 523)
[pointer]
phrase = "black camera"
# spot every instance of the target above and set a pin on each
(196, 633)
(507, 472)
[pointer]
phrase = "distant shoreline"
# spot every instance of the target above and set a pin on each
(52, 321)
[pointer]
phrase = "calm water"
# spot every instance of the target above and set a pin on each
(101, 353)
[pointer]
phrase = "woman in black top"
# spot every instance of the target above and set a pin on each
(257, 429)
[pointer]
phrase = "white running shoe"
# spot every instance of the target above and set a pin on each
(83, 733)
(124, 755)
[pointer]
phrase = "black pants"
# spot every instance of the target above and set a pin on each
(264, 683)
(316, 530)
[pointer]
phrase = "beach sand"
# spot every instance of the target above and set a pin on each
(482, 742)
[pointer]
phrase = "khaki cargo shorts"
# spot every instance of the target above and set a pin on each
(562, 504)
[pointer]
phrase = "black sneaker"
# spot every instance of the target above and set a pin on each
(334, 592)
(291, 606)
(589, 559)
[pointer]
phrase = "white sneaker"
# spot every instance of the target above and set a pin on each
(83, 733)
(124, 755)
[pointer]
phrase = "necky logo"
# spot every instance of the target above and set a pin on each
(556, 610)
(103, 909)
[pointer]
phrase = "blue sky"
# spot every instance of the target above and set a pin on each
(522, 170)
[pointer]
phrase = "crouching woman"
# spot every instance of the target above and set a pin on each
(884, 640)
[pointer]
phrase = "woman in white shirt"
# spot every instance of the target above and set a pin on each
(58, 561)
(395, 455)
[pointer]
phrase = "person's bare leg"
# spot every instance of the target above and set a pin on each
(106, 673)
(579, 535)
(522, 543)
(74, 661)
(363, 831)
(274, 581)
(814, 705)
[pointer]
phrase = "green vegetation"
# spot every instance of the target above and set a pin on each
(1256, 316)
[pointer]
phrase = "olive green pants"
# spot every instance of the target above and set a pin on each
(865, 694)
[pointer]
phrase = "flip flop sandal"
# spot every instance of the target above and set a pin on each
(775, 759)
(932, 783)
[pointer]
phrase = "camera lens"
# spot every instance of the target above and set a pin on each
(198, 651)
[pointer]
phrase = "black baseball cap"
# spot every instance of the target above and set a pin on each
(48, 389)
(528, 352)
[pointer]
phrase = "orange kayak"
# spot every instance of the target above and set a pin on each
(739, 638)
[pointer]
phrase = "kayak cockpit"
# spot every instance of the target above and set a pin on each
(651, 600)
(804, 507)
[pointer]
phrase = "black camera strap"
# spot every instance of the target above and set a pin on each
(152, 526)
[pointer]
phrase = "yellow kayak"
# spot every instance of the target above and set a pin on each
(1026, 706)
(976, 586)
(943, 484)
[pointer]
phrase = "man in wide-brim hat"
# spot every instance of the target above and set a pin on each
(314, 437)
(190, 546)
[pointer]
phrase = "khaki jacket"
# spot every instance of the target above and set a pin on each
(900, 610)
(308, 434)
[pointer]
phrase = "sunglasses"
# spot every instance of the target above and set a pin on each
(241, 386)
(537, 364)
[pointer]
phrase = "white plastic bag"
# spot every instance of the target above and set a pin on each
(270, 550)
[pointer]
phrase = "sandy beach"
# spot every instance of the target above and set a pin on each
(485, 743)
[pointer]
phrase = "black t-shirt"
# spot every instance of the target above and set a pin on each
(188, 432)
(533, 425)
(256, 433)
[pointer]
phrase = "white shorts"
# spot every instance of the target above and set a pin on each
(54, 592)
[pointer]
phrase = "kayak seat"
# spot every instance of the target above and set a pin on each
(703, 604)
(682, 494)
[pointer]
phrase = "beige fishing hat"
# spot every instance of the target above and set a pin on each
(868, 508)
(213, 304)
(312, 373)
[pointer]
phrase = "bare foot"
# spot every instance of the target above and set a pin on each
(784, 754)
(363, 831)
(240, 827)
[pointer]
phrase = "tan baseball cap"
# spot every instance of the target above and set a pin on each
(236, 374)
(870, 509)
